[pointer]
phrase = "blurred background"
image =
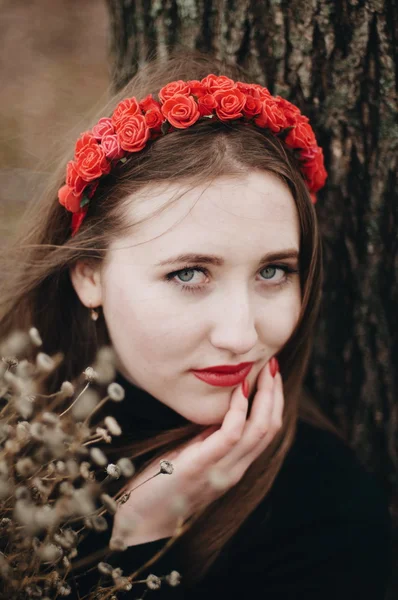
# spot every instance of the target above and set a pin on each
(54, 68)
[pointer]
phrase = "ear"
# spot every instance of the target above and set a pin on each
(86, 279)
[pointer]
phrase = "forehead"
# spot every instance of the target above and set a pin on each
(255, 212)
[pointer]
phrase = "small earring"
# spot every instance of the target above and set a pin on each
(93, 314)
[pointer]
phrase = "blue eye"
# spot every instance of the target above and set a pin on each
(172, 277)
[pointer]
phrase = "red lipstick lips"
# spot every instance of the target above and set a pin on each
(224, 375)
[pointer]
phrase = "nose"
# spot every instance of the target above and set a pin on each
(234, 323)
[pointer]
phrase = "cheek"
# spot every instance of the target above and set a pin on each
(281, 319)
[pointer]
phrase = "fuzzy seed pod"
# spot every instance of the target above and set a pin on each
(116, 392)
(126, 466)
(166, 467)
(153, 582)
(98, 456)
(44, 362)
(113, 471)
(173, 579)
(67, 389)
(35, 336)
(113, 425)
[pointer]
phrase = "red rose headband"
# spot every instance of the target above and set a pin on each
(180, 105)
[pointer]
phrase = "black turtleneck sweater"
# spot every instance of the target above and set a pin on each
(323, 532)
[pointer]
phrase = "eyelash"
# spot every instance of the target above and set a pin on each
(289, 272)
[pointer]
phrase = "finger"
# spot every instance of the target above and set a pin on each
(275, 423)
(217, 445)
(258, 423)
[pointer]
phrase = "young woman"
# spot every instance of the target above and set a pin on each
(186, 228)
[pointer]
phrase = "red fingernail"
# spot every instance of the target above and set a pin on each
(245, 388)
(273, 366)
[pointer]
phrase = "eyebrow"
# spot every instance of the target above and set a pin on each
(211, 259)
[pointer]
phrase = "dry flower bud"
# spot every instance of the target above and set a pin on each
(10, 362)
(64, 590)
(103, 433)
(90, 374)
(46, 516)
(38, 431)
(67, 389)
(117, 573)
(72, 468)
(113, 425)
(60, 466)
(50, 418)
(117, 544)
(16, 383)
(66, 562)
(124, 584)
(173, 579)
(25, 369)
(65, 487)
(35, 336)
(33, 591)
(4, 523)
(153, 582)
(166, 467)
(44, 362)
(109, 503)
(126, 467)
(116, 392)
(98, 456)
(12, 446)
(25, 466)
(24, 406)
(22, 431)
(85, 470)
(113, 471)
(49, 553)
(105, 568)
(99, 523)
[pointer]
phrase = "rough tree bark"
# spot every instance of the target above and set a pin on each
(337, 59)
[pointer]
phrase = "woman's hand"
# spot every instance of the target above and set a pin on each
(205, 467)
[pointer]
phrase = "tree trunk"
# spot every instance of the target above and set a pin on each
(338, 61)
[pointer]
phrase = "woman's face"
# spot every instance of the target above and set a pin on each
(240, 310)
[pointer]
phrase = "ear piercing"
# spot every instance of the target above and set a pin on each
(93, 313)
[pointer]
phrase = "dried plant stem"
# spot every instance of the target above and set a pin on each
(99, 405)
(75, 400)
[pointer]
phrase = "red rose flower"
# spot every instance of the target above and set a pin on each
(175, 87)
(196, 87)
(206, 104)
(230, 103)
(86, 140)
(301, 136)
(69, 199)
(77, 219)
(73, 179)
(262, 91)
(133, 133)
(126, 108)
(102, 128)
(111, 146)
(271, 117)
(252, 107)
(213, 83)
(154, 119)
(148, 103)
(315, 172)
(181, 111)
(291, 112)
(92, 163)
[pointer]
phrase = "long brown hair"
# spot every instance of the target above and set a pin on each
(36, 287)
